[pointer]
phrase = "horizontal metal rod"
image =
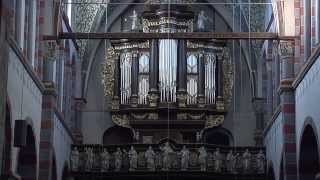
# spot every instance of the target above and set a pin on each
(187, 35)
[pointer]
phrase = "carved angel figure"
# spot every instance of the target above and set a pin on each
(105, 160)
(185, 157)
(202, 18)
(133, 159)
(135, 20)
(150, 156)
(74, 159)
(202, 158)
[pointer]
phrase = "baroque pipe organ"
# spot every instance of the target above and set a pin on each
(168, 83)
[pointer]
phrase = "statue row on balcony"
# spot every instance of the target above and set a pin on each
(167, 159)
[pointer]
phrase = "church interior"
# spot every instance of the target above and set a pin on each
(159, 89)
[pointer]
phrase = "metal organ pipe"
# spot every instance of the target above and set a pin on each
(210, 67)
(168, 69)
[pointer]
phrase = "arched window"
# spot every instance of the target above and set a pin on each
(192, 79)
(143, 79)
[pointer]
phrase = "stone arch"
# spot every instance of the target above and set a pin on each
(27, 157)
(6, 171)
(218, 136)
(118, 135)
(309, 152)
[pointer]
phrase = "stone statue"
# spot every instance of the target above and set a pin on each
(217, 158)
(135, 19)
(90, 158)
(74, 158)
(118, 159)
(105, 160)
(246, 158)
(231, 162)
(133, 159)
(201, 21)
(150, 157)
(185, 157)
(166, 151)
(260, 158)
(202, 158)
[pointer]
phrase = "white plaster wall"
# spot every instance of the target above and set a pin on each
(307, 98)
(22, 90)
(62, 145)
(274, 145)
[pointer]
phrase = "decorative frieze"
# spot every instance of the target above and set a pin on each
(167, 157)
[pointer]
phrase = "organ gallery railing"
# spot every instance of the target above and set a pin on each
(168, 157)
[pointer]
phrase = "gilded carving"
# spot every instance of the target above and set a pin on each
(139, 117)
(121, 120)
(286, 48)
(228, 70)
(213, 121)
(108, 73)
(153, 99)
(196, 117)
(182, 99)
(181, 116)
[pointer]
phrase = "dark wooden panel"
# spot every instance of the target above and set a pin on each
(189, 35)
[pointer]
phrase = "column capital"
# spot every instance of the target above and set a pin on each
(286, 48)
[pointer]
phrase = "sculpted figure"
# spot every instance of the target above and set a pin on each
(90, 158)
(150, 156)
(74, 158)
(246, 157)
(202, 18)
(166, 151)
(185, 157)
(135, 19)
(231, 162)
(133, 159)
(202, 158)
(105, 160)
(260, 158)
(217, 158)
(118, 159)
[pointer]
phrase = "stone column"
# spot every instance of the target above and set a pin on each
(201, 82)
(4, 58)
(49, 100)
(219, 81)
(154, 73)
(307, 29)
(269, 80)
(287, 101)
(134, 79)
(258, 106)
(182, 73)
